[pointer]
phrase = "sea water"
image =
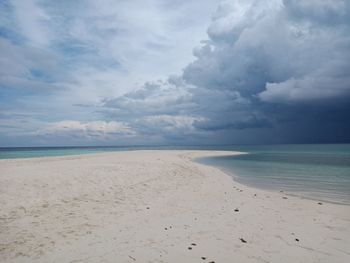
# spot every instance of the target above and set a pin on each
(318, 171)
(30, 152)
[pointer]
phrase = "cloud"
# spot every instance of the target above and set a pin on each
(326, 12)
(55, 55)
(161, 108)
(255, 46)
(94, 129)
(164, 97)
(262, 63)
(288, 52)
(91, 38)
(308, 88)
(173, 124)
(25, 68)
(31, 21)
(267, 71)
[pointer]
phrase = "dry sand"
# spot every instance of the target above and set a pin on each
(157, 206)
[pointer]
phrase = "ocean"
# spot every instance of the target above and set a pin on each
(316, 171)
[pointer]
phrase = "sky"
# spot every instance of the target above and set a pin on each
(161, 72)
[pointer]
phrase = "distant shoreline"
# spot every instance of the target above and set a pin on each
(48, 151)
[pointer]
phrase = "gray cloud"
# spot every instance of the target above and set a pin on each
(276, 66)
(19, 66)
(157, 97)
(268, 71)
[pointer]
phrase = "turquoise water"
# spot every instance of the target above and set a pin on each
(319, 172)
(11, 153)
(30, 152)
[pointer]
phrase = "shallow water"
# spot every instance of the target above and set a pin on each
(313, 171)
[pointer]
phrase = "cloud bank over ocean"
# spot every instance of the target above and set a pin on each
(264, 72)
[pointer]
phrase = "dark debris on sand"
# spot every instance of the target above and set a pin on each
(242, 240)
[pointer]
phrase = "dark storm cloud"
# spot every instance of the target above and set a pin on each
(277, 70)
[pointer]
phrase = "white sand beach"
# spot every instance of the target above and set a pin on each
(157, 206)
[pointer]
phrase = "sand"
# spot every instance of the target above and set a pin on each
(157, 206)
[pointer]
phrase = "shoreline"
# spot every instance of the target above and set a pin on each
(326, 198)
(292, 194)
(146, 205)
